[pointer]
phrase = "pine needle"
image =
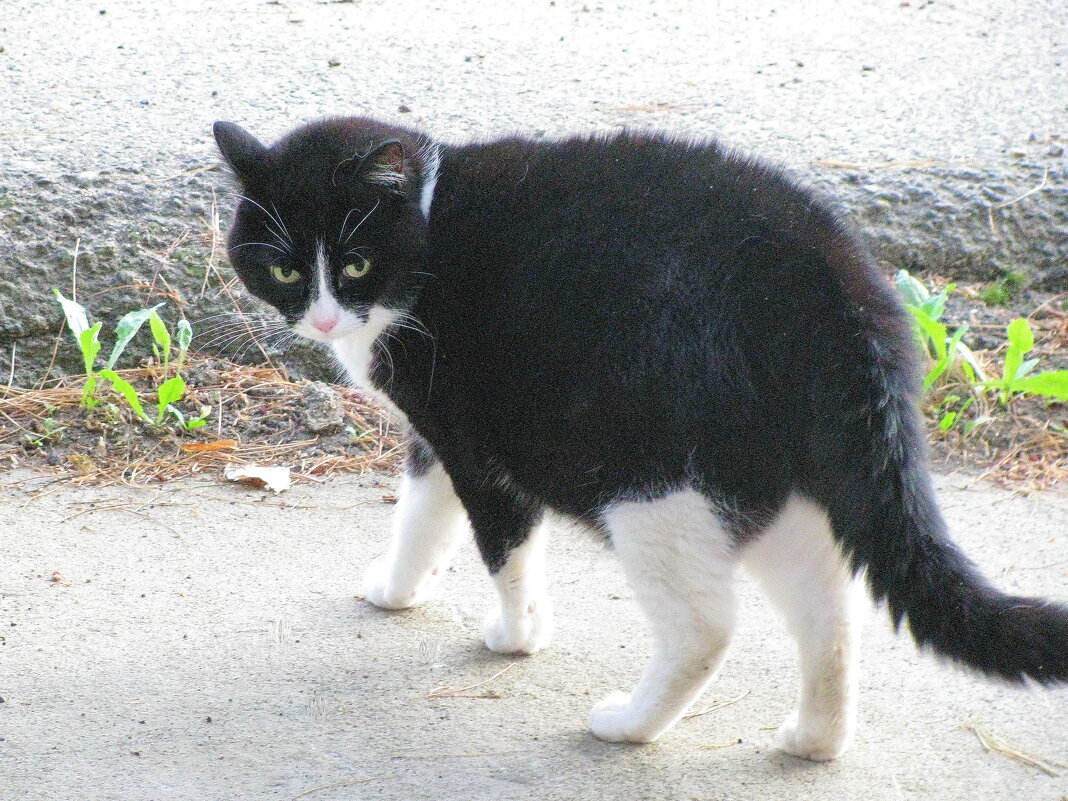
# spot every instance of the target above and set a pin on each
(717, 705)
(346, 783)
(991, 742)
(444, 691)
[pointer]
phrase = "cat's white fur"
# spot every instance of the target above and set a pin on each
(431, 158)
(523, 622)
(679, 561)
(803, 572)
(427, 526)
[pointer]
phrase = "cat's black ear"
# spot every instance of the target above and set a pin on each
(384, 165)
(245, 154)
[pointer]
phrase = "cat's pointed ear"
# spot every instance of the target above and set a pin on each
(245, 154)
(384, 166)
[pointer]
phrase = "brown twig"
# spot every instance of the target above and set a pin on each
(444, 691)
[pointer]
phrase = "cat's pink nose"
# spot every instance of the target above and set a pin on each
(326, 326)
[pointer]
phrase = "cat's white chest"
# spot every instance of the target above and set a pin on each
(357, 354)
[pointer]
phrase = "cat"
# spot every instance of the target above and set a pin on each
(661, 338)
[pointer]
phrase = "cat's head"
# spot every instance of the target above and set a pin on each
(331, 226)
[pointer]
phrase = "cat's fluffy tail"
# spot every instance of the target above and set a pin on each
(885, 516)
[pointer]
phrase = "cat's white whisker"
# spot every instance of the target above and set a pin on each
(285, 245)
(259, 244)
(341, 232)
(278, 219)
(222, 330)
(270, 216)
(361, 222)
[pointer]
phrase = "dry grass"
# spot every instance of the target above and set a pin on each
(110, 446)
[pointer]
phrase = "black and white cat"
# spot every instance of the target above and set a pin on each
(663, 339)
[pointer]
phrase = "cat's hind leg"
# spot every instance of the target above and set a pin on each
(427, 525)
(804, 573)
(679, 559)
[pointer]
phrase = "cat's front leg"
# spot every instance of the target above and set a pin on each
(523, 621)
(426, 528)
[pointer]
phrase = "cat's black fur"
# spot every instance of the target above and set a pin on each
(619, 316)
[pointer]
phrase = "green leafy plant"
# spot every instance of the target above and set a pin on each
(127, 329)
(88, 339)
(46, 430)
(950, 356)
(169, 393)
(1018, 376)
(947, 351)
(128, 392)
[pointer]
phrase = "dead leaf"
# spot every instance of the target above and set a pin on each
(272, 477)
(208, 447)
(81, 462)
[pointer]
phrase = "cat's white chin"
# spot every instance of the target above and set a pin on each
(355, 351)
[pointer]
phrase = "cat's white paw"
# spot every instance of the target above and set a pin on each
(525, 633)
(381, 587)
(615, 720)
(818, 743)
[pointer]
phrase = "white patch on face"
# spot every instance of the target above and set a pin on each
(679, 559)
(432, 160)
(326, 320)
(356, 352)
(801, 568)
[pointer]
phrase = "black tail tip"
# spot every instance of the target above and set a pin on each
(1013, 638)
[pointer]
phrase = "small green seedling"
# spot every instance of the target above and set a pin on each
(185, 336)
(88, 339)
(49, 432)
(126, 389)
(162, 345)
(945, 349)
(170, 391)
(1019, 377)
(127, 328)
(192, 422)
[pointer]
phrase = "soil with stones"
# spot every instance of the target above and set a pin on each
(251, 415)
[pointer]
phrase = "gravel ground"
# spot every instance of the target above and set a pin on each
(203, 643)
(918, 118)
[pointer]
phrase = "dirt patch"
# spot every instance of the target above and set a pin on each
(1022, 442)
(253, 415)
(263, 415)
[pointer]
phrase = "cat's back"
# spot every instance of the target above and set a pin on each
(630, 225)
(658, 185)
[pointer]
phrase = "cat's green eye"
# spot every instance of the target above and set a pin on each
(285, 275)
(358, 268)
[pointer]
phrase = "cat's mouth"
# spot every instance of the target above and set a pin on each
(335, 325)
(329, 329)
